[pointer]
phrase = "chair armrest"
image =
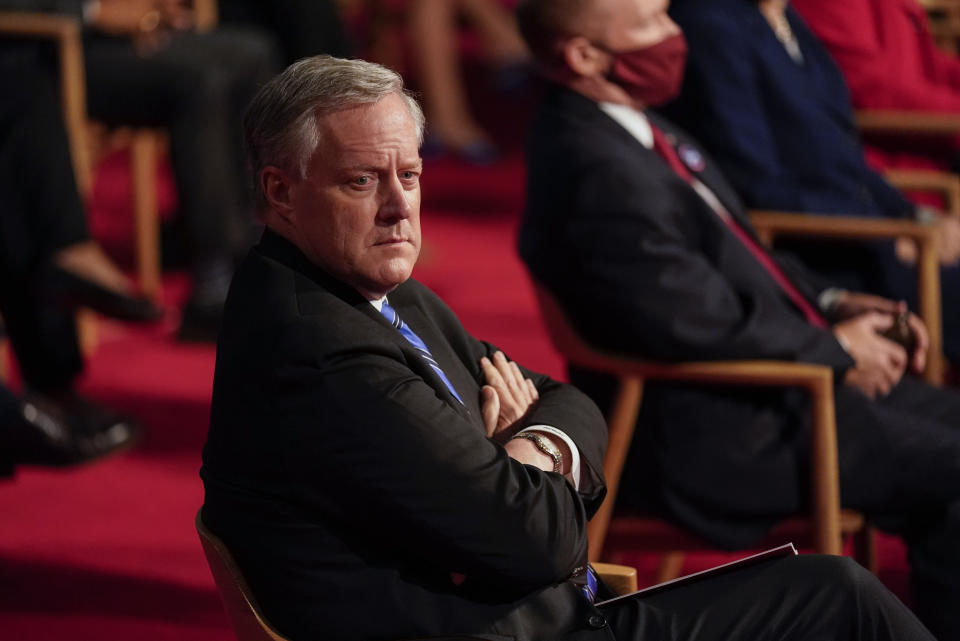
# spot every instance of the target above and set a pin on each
(205, 14)
(622, 579)
(774, 223)
(945, 183)
(65, 32)
(907, 122)
(770, 224)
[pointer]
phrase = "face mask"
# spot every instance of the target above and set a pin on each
(652, 75)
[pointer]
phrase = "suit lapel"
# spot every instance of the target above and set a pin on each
(461, 379)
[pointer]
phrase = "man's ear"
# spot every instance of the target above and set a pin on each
(278, 188)
(583, 58)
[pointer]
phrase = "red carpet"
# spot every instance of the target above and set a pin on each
(108, 552)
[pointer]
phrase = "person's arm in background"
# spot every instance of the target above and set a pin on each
(849, 30)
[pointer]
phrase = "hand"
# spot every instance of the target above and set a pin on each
(948, 235)
(852, 304)
(507, 396)
(176, 14)
(880, 363)
(918, 360)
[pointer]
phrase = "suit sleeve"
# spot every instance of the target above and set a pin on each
(394, 461)
(854, 31)
(636, 281)
(561, 406)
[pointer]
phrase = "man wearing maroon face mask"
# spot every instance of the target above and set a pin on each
(649, 251)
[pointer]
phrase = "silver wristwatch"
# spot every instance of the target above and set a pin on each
(545, 446)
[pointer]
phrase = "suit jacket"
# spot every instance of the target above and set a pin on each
(782, 132)
(644, 266)
(886, 52)
(350, 484)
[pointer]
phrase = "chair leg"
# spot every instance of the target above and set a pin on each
(865, 548)
(87, 333)
(670, 567)
(143, 171)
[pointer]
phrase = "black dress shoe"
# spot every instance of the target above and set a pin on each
(65, 430)
(76, 291)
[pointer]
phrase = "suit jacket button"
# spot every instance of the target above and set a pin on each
(597, 621)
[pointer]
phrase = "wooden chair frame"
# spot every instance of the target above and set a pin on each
(772, 224)
(825, 522)
(247, 619)
(66, 33)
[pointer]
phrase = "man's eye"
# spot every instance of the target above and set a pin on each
(361, 180)
(408, 175)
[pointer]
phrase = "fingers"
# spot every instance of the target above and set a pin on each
(490, 409)
(877, 321)
(515, 393)
(923, 343)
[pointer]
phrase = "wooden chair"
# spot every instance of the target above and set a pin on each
(823, 527)
(245, 616)
(772, 224)
(248, 621)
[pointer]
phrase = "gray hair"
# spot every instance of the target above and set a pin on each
(281, 124)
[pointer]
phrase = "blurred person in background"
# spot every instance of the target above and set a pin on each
(766, 99)
(433, 26)
(147, 66)
(888, 55)
(48, 267)
(301, 27)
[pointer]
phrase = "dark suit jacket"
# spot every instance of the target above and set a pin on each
(783, 133)
(643, 266)
(349, 483)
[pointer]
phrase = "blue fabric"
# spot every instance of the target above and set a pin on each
(590, 588)
(783, 133)
(394, 318)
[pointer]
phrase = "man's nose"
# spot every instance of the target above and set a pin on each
(394, 200)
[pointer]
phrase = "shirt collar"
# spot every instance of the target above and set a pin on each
(632, 120)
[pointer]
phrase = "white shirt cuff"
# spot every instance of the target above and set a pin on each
(574, 452)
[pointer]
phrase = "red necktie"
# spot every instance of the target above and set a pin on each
(666, 151)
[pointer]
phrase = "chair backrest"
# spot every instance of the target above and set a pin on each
(244, 614)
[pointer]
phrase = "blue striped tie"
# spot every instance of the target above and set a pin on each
(391, 315)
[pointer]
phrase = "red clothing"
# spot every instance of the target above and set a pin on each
(886, 52)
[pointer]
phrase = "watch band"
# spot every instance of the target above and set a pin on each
(546, 447)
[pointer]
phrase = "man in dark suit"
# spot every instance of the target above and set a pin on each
(381, 474)
(649, 251)
(768, 102)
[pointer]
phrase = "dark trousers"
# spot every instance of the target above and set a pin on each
(196, 86)
(907, 478)
(40, 212)
(301, 27)
(804, 598)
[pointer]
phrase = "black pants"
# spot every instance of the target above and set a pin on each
(197, 87)
(805, 598)
(301, 27)
(40, 212)
(907, 478)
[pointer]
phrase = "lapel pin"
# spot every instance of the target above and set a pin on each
(691, 157)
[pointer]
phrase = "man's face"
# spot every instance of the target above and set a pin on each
(357, 213)
(625, 25)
